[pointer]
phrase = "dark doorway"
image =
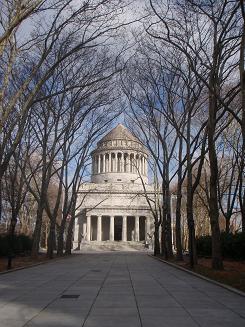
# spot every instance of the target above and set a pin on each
(118, 229)
(105, 228)
(130, 228)
(93, 228)
(142, 228)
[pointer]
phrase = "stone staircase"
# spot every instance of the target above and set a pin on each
(108, 246)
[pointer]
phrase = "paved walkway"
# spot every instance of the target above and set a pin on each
(114, 290)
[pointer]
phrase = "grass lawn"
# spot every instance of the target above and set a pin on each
(21, 261)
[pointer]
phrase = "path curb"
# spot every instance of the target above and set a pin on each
(33, 265)
(232, 289)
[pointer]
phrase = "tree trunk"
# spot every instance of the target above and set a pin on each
(169, 225)
(1, 200)
(156, 240)
(243, 213)
(164, 251)
(189, 200)
(37, 231)
(179, 250)
(166, 238)
(213, 184)
(242, 81)
(51, 239)
(191, 228)
(227, 225)
(69, 237)
(60, 241)
(11, 239)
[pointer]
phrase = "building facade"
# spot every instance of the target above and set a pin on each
(115, 204)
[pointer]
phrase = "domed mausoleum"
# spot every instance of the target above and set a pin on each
(119, 157)
(114, 205)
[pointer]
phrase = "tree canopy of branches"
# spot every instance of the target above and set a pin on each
(68, 69)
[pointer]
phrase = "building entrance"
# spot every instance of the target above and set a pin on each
(118, 229)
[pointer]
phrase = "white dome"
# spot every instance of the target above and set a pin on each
(119, 157)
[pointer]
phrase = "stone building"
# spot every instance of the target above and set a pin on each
(114, 206)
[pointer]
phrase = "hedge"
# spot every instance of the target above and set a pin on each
(233, 246)
(21, 244)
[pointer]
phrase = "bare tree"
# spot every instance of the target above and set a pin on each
(212, 57)
(241, 120)
(28, 63)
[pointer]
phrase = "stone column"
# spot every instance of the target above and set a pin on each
(133, 162)
(116, 161)
(109, 170)
(95, 165)
(112, 228)
(147, 227)
(84, 229)
(127, 163)
(119, 162)
(104, 164)
(123, 163)
(130, 163)
(137, 228)
(98, 163)
(139, 166)
(88, 228)
(76, 234)
(124, 229)
(99, 221)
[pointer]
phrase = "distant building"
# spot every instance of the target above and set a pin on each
(114, 205)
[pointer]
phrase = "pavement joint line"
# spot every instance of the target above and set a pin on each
(56, 298)
(170, 294)
(143, 269)
(227, 287)
(135, 298)
(102, 284)
(35, 264)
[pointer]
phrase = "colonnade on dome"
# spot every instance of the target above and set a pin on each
(119, 162)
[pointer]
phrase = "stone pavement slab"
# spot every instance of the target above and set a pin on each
(114, 290)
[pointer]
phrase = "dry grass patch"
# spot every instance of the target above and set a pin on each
(21, 261)
(232, 275)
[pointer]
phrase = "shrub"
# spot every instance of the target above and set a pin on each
(204, 245)
(3, 245)
(21, 244)
(233, 246)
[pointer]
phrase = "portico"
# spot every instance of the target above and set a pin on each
(116, 228)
